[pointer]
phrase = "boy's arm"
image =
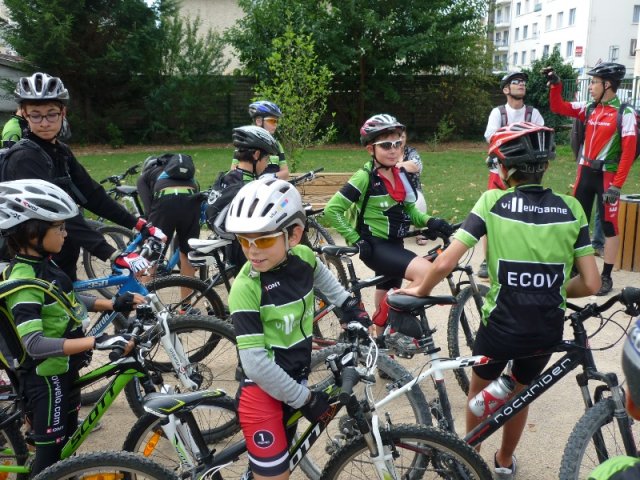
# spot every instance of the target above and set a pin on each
(588, 281)
(349, 194)
(568, 109)
(493, 123)
(328, 284)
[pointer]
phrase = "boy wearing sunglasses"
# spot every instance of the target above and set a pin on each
(386, 204)
(272, 304)
(267, 115)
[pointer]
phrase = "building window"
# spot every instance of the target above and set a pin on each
(526, 6)
(515, 58)
(636, 14)
(524, 58)
(545, 51)
(537, 6)
(572, 16)
(547, 23)
(632, 47)
(570, 48)
(614, 53)
(559, 19)
(498, 38)
(525, 32)
(518, 8)
(517, 34)
(533, 56)
(534, 30)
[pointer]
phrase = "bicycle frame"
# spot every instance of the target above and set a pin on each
(577, 353)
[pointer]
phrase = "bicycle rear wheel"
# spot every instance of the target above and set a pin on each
(464, 321)
(210, 345)
(216, 419)
(419, 452)
(106, 465)
(116, 236)
(315, 236)
(13, 449)
(187, 295)
(595, 438)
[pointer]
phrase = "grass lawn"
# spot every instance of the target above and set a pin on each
(453, 177)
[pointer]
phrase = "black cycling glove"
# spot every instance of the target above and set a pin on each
(352, 311)
(123, 303)
(316, 407)
(440, 226)
(366, 250)
(109, 342)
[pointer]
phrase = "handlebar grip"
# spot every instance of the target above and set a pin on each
(103, 181)
(116, 354)
(630, 296)
(350, 377)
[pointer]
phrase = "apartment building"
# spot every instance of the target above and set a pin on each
(585, 32)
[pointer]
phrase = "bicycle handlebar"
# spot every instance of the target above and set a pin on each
(117, 179)
(350, 378)
(306, 177)
(629, 297)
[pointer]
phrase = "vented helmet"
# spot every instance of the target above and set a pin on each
(41, 87)
(378, 125)
(251, 137)
(608, 71)
(264, 108)
(522, 143)
(22, 200)
(631, 362)
(512, 76)
(265, 205)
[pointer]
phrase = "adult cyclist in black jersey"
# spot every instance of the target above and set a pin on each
(625, 467)
(535, 237)
(386, 208)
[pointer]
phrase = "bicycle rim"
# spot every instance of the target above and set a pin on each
(116, 236)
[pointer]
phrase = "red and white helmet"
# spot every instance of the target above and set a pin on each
(522, 143)
(377, 125)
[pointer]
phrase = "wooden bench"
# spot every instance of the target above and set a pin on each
(318, 191)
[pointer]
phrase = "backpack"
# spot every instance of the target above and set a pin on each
(504, 121)
(12, 351)
(24, 142)
(578, 129)
(176, 166)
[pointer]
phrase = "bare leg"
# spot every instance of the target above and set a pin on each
(186, 269)
(282, 476)
(611, 246)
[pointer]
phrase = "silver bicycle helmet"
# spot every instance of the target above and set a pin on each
(41, 87)
(22, 200)
(265, 205)
(377, 125)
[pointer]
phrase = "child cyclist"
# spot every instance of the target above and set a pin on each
(386, 208)
(271, 303)
(32, 219)
(535, 237)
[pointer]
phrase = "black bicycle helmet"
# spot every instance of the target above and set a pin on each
(377, 125)
(41, 87)
(512, 76)
(608, 71)
(251, 137)
(522, 143)
(264, 108)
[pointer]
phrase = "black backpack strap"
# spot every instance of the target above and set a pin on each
(504, 120)
(365, 200)
(528, 113)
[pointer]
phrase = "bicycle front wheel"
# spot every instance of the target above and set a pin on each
(187, 295)
(417, 452)
(216, 419)
(595, 438)
(106, 465)
(210, 345)
(464, 321)
(13, 450)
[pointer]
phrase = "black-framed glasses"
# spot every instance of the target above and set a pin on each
(519, 81)
(388, 144)
(60, 226)
(51, 117)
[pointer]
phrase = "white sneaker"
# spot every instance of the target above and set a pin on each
(505, 473)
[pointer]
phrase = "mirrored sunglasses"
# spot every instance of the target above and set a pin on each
(271, 120)
(266, 241)
(518, 81)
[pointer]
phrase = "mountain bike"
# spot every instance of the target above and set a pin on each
(605, 429)
(120, 371)
(126, 195)
(379, 450)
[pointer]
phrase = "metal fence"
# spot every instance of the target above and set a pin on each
(629, 91)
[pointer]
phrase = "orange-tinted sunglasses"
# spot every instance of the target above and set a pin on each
(266, 241)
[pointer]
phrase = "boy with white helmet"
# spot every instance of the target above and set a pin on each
(271, 303)
(32, 218)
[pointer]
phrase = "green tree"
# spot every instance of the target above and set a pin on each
(182, 105)
(299, 84)
(104, 50)
(366, 42)
(538, 92)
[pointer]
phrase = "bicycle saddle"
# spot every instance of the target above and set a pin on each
(337, 250)
(164, 404)
(206, 245)
(126, 189)
(408, 303)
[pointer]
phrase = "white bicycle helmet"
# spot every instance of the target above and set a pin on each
(22, 200)
(41, 87)
(265, 205)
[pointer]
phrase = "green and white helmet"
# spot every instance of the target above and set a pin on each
(265, 205)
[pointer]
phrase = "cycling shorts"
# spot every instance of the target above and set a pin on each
(262, 421)
(524, 369)
(390, 258)
(179, 214)
(589, 185)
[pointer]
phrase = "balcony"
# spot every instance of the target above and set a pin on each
(501, 2)
(537, 7)
(501, 46)
(502, 23)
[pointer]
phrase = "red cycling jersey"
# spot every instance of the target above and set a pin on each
(601, 141)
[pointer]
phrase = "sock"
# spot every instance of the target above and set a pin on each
(606, 269)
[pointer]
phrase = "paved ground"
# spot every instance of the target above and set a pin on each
(551, 418)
